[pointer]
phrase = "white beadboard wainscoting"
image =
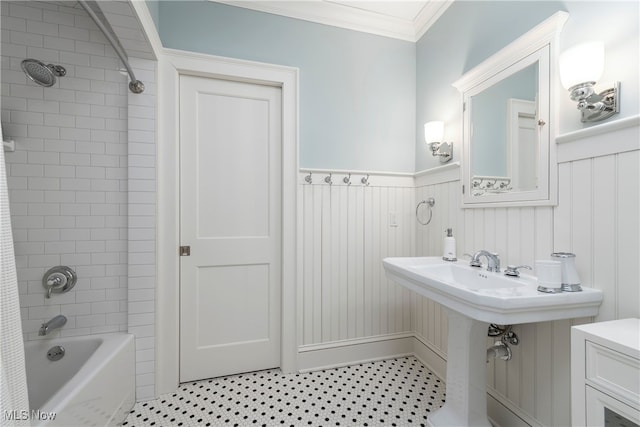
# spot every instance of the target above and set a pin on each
(596, 218)
(349, 311)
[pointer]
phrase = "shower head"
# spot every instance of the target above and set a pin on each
(41, 73)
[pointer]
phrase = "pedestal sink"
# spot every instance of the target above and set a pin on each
(474, 298)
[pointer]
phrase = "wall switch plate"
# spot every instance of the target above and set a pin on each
(393, 219)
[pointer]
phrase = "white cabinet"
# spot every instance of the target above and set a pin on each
(605, 374)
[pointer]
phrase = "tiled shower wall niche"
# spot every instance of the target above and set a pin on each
(68, 176)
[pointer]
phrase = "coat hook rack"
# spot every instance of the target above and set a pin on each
(365, 180)
(308, 179)
(490, 184)
(328, 180)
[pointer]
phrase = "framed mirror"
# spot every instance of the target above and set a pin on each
(509, 122)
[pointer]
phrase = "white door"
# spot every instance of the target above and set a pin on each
(230, 217)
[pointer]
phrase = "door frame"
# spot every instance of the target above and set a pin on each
(172, 64)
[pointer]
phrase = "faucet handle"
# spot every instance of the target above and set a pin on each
(56, 279)
(474, 262)
(513, 270)
(59, 279)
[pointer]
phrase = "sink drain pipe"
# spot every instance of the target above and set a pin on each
(499, 351)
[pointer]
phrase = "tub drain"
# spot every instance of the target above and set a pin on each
(55, 353)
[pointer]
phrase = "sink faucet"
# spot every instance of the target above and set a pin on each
(55, 323)
(493, 261)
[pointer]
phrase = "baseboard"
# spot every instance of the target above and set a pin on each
(350, 352)
(430, 357)
(503, 413)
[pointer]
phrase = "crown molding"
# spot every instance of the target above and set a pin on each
(351, 17)
(428, 16)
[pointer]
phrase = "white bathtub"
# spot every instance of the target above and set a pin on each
(92, 385)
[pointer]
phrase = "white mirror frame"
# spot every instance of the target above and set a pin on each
(539, 44)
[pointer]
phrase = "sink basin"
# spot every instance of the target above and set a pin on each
(474, 298)
(471, 278)
(488, 296)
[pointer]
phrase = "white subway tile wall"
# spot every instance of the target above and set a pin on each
(68, 175)
(81, 145)
(141, 225)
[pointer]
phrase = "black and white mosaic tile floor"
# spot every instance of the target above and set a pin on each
(395, 392)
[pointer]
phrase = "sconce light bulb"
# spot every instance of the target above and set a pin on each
(433, 132)
(582, 63)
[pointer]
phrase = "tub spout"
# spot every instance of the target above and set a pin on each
(55, 323)
(499, 350)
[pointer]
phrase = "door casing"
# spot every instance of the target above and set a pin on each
(172, 64)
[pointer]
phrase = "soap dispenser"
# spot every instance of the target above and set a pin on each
(449, 252)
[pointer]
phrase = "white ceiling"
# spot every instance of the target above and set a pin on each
(405, 20)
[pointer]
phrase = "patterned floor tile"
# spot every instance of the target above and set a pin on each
(394, 392)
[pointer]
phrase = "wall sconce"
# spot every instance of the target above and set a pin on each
(580, 68)
(433, 136)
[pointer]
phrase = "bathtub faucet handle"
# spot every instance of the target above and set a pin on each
(59, 279)
(53, 282)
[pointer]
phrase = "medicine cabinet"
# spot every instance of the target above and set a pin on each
(510, 121)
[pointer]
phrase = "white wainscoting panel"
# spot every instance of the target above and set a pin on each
(347, 230)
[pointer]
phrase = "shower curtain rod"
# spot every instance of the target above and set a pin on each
(135, 85)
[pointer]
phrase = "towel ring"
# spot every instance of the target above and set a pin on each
(429, 202)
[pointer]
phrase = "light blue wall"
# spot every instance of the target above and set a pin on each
(364, 98)
(471, 31)
(357, 90)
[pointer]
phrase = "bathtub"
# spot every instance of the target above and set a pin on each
(93, 384)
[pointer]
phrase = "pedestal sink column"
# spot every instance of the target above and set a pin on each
(466, 401)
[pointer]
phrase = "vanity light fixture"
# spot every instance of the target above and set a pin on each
(433, 136)
(580, 68)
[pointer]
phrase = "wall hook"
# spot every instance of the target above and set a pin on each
(365, 180)
(308, 178)
(347, 179)
(328, 180)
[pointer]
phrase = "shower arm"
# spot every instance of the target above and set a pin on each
(135, 85)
